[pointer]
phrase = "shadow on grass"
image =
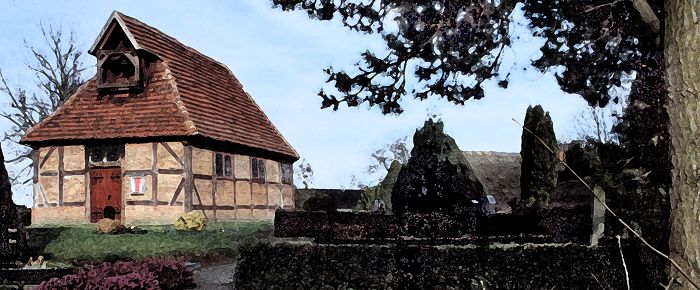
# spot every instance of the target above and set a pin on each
(39, 238)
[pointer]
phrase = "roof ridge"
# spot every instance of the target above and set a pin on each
(119, 14)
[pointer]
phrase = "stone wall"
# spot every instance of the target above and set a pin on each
(232, 192)
(60, 185)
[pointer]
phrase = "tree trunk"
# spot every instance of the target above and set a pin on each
(682, 50)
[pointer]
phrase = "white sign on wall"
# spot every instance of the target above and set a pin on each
(137, 184)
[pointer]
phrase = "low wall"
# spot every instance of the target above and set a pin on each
(396, 266)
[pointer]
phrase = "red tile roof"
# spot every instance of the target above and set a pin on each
(189, 94)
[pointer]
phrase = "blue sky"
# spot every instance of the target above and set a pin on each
(279, 57)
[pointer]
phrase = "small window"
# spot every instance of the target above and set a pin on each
(227, 165)
(112, 153)
(261, 169)
(258, 168)
(218, 165)
(287, 173)
(105, 153)
(96, 154)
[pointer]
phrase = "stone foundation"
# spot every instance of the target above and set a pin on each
(59, 216)
(150, 215)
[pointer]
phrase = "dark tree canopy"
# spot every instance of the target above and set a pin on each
(439, 43)
(597, 42)
(451, 46)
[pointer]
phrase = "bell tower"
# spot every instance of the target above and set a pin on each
(120, 64)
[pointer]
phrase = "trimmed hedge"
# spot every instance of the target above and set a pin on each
(307, 266)
(559, 224)
(334, 225)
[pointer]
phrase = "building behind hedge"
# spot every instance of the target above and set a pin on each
(161, 129)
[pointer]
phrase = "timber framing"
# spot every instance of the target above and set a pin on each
(144, 146)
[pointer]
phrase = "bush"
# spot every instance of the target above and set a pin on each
(436, 225)
(539, 166)
(166, 273)
(403, 266)
(107, 226)
(191, 221)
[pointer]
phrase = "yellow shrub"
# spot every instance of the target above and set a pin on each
(191, 221)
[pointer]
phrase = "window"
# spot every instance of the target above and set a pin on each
(96, 154)
(287, 173)
(112, 153)
(105, 153)
(227, 165)
(218, 167)
(258, 166)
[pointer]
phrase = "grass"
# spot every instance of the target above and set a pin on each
(82, 244)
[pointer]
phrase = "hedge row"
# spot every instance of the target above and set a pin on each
(307, 266)
(561, 225)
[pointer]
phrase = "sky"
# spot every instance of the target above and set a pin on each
(279, 57)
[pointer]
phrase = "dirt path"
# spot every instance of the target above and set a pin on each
(215, 276)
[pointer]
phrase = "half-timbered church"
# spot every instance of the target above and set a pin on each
(160, 130)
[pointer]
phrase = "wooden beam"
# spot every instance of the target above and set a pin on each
(196, 192)
(177, 192)
(139, 202)
(172, 152)
(49, 173)
(35, 165)
(75, 172)
(213, 181)
(87, 184)
(202, 176)
(154, 174)
(61, 173)
(211, 207)
(189, 180)
(46, 157)
(170, 171)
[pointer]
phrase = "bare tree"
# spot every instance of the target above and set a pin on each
(382, 159)
(597, 123)
(57, 74)
(304, 172)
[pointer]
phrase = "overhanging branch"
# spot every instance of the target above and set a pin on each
(647, 14)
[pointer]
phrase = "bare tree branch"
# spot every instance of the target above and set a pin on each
(57, 74)
(647, 14)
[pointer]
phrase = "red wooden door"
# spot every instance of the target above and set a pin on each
(105, 193)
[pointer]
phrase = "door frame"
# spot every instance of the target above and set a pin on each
(89, 204)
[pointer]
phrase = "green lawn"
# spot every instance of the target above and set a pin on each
(82, 243)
